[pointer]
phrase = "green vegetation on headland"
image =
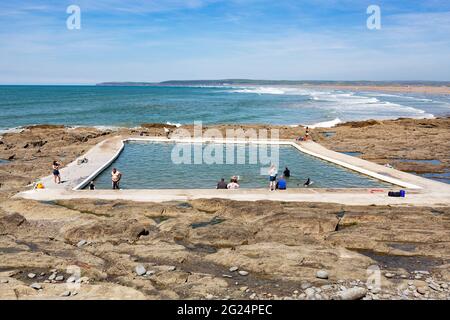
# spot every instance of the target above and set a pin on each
(228, 82)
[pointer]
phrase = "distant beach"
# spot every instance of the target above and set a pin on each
(424, 89)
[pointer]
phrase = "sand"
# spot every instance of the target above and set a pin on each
(387, 88)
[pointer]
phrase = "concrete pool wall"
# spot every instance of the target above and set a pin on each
(421, 191)
(320, 154)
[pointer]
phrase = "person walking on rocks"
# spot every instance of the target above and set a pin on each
(56, 174)
(116, 175)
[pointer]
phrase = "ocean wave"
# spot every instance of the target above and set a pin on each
(261, 90)
(11, 130)
(326, 124)
(173, 124)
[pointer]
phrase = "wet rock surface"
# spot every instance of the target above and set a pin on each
(411, 145)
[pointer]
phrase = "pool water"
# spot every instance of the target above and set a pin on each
(149, 165)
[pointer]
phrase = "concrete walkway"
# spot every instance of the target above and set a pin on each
(76, 176)
(420, 191)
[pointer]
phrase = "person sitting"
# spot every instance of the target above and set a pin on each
(281, 183)
(233, 184)
(92, 185)
(222, 184)
(307, 183)
(287, 172)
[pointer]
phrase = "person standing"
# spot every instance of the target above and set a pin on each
(272, 177)
(116, 175)
(56, 174)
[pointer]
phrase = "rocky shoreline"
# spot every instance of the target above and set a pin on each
(222, 249)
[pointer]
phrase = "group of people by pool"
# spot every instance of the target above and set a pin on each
(116, 176)
(275, 183)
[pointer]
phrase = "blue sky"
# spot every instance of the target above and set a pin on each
(155, 40)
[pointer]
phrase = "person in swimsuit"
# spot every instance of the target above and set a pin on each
(116, 175)
(56, 174)
(272, 177)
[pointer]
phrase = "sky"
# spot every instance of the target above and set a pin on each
(157, 40)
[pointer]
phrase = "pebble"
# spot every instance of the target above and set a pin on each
(295, 291)
(422, 290)
(59, 278)
(82, 280)
(66, 294)
(243, 288)
(31, 275)
(253, 296)
(310, 292)
(322, 274)
(326, 287)
(71, 279)
(52, 276)
(209, 296)
(434, 286)
(423, 272)
(233, 269)
(171, 268)
(140, 270)
(418, 277)
(227, 276)
(389, 275)
(150, 273)
(36, 286)
(81, 243)
(444, 286)
(4, 281)
(355, 293)
(243, 273)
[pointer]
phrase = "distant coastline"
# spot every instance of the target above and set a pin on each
(426, 87)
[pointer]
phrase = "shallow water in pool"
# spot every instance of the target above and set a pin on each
(148, 165)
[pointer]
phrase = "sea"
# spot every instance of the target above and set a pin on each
(130, 106)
